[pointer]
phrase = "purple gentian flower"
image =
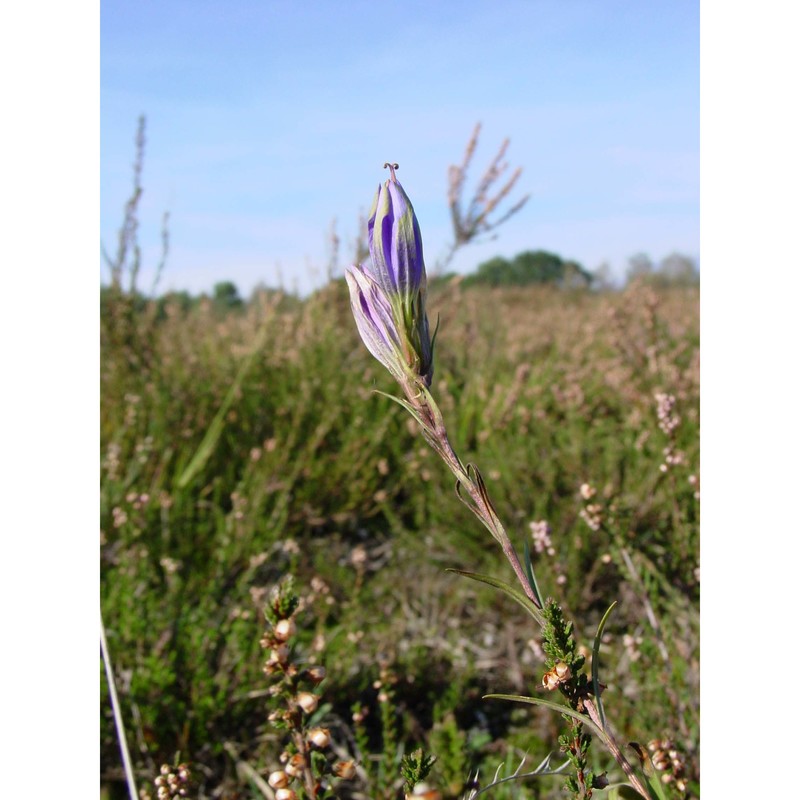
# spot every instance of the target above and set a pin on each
(388, 295)
(395, 242)
(375, 321)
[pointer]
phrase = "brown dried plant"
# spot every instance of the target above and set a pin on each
(473, 222)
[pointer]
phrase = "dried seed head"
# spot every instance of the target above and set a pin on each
(563, 672)
(556, 676)
(344, 769)
(550, 681)
(316, 674)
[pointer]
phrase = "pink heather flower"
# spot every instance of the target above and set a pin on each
(540, 531)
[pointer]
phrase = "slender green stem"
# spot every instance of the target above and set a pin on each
(482, 507)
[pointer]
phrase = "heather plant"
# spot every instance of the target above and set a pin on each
(388, 300)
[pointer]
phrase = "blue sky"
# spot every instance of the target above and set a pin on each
(268, 120)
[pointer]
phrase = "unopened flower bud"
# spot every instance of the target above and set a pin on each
(344, 769)
(278, 779)
(280, 653)
(285, 794)
(295, 765)
(319, 737)
(388, 295)
(284, 629)
(316, 674)
(307, 701)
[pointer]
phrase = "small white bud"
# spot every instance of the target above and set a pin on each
(307, 701)
(284, 629)
(320, 737)
(278, 779)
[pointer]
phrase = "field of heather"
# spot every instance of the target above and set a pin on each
(243, 446)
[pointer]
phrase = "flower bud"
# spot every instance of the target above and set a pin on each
(316, 674)
(395, 242)
(319, 737)
(295, 765)
(388, 296)
(284, 629)
(344, 770)
(281, 653)
(285, 794)
(307, 701)
(278, 779)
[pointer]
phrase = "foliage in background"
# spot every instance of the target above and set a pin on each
(530, 267)
(239, 445)
(309, 472)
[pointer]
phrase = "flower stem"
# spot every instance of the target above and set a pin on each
(481, 505)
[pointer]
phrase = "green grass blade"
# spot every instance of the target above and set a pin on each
(214, 431)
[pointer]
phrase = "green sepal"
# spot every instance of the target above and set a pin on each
(513, 593)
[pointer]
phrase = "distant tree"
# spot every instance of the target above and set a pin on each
(678, 270)
(531, 267)
(602, 278)
(639, 266)
(496, 271)
(226, 296)
(673, 270)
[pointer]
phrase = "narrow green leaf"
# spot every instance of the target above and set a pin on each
(529, 570)
(406, 405)
(513, 593)
(553, 706)
(596, 662)
(657, 787)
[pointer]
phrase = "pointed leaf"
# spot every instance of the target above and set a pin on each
(596, 662)
(406, 405)
(512, 592)
(552, 705)
(529, 570)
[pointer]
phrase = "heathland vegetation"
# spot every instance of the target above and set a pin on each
(250, 467)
